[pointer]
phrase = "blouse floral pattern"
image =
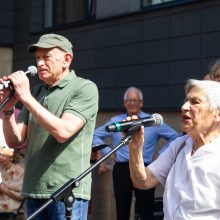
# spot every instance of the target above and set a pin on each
(13, 178)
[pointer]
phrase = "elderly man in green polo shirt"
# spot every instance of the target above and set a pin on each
(57, 121)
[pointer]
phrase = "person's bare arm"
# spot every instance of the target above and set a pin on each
(4, 189)
(60, 128)
(141, 176)
(14, 133)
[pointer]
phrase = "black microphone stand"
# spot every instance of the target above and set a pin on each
(65, 193)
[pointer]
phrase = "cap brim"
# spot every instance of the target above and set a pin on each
(33, 47)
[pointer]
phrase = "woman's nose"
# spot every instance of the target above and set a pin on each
(185, 106)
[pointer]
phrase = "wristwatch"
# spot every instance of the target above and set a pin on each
(8, 112)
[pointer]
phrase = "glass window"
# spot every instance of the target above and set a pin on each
(59, 12)
(154, 2)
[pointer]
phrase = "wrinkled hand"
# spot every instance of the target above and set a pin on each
(138, 137)
(21, 85)
(3, 188)
(4, 94)
(102, 168)
(112, 157)
(21, 88)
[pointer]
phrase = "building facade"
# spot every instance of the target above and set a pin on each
(155, 45)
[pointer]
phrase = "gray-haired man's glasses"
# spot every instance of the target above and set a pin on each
(133, 101)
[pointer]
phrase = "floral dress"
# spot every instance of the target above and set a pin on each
(12, 177)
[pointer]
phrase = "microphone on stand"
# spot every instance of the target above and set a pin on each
(31, 71)
(153, 120)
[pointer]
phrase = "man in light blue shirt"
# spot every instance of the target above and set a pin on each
(123, 188)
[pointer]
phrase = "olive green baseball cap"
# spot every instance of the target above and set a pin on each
(50, 41)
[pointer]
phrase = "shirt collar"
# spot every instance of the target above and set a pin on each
(212, 147)
(65, 80)
(140, 115)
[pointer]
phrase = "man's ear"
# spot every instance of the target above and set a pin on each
(68, 59)
(142, 104)
(124, 104)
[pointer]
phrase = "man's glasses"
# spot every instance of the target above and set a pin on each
(133, 101)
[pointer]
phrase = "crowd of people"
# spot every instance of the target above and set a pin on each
(57, 127)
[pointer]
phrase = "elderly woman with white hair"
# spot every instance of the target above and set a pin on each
(190, 167)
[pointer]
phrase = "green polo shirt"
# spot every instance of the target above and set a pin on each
(50, 164)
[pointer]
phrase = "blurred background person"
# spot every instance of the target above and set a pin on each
(123, 187)
(214, 70)
(206, 77)
(12, 171)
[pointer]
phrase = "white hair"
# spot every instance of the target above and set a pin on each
(133, 89)
(210, 88)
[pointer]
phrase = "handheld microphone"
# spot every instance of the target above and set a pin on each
(153, 120)
(31, 71)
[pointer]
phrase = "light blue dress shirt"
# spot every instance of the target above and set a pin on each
(152, 135)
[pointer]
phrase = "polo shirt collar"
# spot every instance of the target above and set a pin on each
(65, 80)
